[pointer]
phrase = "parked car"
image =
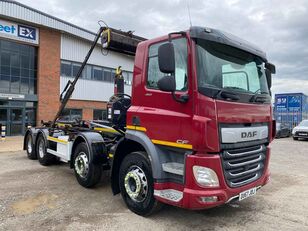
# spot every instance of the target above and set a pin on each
(301, 130)
(282, 130)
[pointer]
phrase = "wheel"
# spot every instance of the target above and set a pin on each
(30, 148)
(137, 184)
(44, 158)
(87, 173)
(295, 138)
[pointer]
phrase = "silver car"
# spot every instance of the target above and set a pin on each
(301, 130)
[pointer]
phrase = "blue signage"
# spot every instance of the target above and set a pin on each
(26, 32)
(294, 102)
(7, 29)
(13, 30)
(281, 103)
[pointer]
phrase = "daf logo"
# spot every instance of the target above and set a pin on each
(248, 134)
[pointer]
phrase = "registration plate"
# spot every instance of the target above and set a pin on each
(247, 193)
(302, 134)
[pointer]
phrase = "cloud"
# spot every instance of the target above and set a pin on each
(279, 27)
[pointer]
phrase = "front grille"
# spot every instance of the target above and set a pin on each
(244, 165)
(299, 133)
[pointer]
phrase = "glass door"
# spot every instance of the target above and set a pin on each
(16, 123)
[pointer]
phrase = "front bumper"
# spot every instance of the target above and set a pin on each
(301, 134)
(191, 196)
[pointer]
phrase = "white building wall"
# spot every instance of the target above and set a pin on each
(74, 49)
(92, 89)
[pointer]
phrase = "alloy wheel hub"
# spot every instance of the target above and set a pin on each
(82, 164)
(136, 184)
(41, 149)
(29, 144)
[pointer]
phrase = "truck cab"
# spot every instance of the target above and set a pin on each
(201, 113)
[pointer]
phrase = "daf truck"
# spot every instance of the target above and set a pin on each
(195, 132)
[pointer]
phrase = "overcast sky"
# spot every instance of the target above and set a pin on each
(279, 27)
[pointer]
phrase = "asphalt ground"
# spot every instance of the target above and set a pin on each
(33, 197)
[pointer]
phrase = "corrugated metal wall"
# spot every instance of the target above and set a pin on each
(74, 49)
(92, 89)
(21, 12)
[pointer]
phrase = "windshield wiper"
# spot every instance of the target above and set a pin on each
(226, 95)
(237, 88)
(259, 98)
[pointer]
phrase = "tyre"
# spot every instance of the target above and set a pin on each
(44, 158)
(137, 184)
(30, 147)
(295, 138)
(87, 173)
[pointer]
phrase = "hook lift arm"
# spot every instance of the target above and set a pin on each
(70, 87)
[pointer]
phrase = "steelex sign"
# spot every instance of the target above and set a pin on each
(19, 32)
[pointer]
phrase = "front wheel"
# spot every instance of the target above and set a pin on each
(137, 184)
(295, 138)
(87, 173)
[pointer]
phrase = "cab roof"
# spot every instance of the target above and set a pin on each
(225, 38)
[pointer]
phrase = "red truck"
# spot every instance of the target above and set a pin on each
(195, 133)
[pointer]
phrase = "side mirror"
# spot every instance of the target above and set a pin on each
(167, 83)
(268, 78)
(271, 67)
(269, 70)
(166, 60)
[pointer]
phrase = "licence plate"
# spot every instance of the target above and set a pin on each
(302, 134)
(247, 193)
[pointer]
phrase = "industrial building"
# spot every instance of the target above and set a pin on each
(291, 108)
(38, 55)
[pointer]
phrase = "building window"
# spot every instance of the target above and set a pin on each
(99, 114)
(92, 72)
(70, 114)
(18, 68)
(66, 68)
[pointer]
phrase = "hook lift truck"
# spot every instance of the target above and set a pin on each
(195, 133)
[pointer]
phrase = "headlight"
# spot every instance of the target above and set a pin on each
(294, 130)
(205, 176)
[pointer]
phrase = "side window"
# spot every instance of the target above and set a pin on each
(154, 74)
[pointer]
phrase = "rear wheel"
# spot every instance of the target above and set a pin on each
(44, 158)
(137, 184)
(87, 173)
(30, 148)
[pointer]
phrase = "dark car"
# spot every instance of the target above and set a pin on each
(282, 130)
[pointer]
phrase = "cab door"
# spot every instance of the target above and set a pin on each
(165, 119)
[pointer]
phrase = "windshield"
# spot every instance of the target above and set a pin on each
(224, 67)
(304, 123)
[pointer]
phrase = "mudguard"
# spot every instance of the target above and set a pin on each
(96, 146)
(34, 132)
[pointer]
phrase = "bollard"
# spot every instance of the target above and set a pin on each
(3, 129)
